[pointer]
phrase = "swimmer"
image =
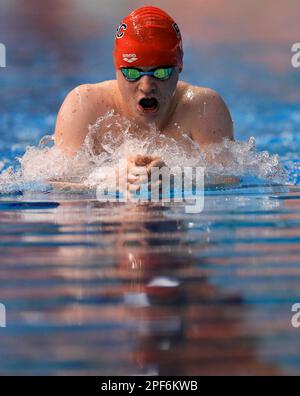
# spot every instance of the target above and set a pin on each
(148, 58)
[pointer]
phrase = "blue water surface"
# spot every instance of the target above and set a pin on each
(98, 288)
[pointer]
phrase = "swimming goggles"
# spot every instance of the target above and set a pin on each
(161, 73)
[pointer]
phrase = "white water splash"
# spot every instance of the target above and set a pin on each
(113, 138)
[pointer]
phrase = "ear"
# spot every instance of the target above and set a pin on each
(180, 69)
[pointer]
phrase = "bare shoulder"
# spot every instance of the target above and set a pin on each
(81, 107)
(208, 116)
(194, 95)
(89, 95)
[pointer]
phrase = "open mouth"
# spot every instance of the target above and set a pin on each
(149, 104)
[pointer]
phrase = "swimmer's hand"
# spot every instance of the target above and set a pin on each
(139, 170)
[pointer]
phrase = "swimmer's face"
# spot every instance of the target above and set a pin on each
(147, 99)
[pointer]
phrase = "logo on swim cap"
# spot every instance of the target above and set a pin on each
(130, 57)
(176, 28)
(121, 30)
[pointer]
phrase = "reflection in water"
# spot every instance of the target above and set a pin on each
(119, 290)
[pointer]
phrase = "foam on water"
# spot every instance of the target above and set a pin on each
(113, 138)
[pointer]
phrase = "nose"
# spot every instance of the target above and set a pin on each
(147, 85)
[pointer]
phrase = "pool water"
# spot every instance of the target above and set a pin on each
(123, 289)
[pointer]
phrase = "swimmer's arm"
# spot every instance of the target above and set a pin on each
(214, 124)
(73, 119)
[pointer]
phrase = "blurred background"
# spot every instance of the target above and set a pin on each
(241, 48)
(99, 289)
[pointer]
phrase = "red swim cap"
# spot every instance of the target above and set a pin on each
(148, 37)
